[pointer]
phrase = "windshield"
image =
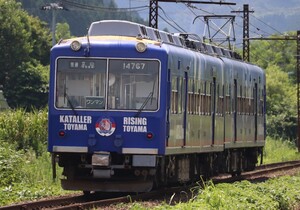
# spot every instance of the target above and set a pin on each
(107, 84)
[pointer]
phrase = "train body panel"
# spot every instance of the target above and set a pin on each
(127, 127)
(127, 113)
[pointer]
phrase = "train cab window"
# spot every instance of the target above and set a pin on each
(83, 84)
(80, 83)
(133, 84)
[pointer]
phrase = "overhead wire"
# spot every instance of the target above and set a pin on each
(268, 25)
(171, 20)
(168, 20)
(96, 8)
(265, 33)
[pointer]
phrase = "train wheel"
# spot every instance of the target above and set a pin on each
(86, 193)
(236, 173)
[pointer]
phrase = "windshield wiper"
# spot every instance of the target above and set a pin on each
(150, 96)
(71, 104)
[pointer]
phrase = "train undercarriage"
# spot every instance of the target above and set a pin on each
(142, 173)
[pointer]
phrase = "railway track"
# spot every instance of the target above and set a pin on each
(261, 173)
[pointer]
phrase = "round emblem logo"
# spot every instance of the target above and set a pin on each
(105, 126)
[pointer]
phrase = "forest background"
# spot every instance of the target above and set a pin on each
(25, 41)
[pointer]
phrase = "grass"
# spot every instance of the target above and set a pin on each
(26, 174)
(281, 193)
(29, 179)
(275, 194)
(37, 182)
(279, 151)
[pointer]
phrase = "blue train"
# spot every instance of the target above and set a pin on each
(132, 108)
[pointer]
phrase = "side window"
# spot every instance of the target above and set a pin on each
(191, 98)
(180, 96)
(228, 98)
(174, 96)
(220, 97)
(209, 90)
(197, 93)
(203, 98)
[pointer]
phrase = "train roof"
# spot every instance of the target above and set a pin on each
(127, 28)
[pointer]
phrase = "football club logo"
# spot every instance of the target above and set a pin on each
(105, 126)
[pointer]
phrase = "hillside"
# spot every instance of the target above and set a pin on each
(78, 13)
(269, 17)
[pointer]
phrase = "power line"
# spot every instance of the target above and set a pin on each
(96, 8)
(188, 5)
(267, 25)
(170, 19)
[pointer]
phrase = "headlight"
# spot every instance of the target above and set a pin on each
(75, 45)
(141, 47)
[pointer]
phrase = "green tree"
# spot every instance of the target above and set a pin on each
(28, 86)
(280, 53)
(62, 31)
(277, 58)
(281, 104)
(25, 47)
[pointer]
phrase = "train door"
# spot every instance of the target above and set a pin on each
(255, 95)
(213, 110)
(178, 117)
(235, 110)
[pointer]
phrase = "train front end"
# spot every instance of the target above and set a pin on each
(107, 124)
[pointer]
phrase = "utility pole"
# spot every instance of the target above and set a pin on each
(153, 8)
(246, 42)
(298, 87)
(54, 7)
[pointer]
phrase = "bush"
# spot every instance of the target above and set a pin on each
(11, 163)
(277, 150)
(23, 176)
(25, 130)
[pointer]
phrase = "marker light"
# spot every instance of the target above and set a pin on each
(75, 45)
(61, 133)
(141, 47)
(149, 135)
